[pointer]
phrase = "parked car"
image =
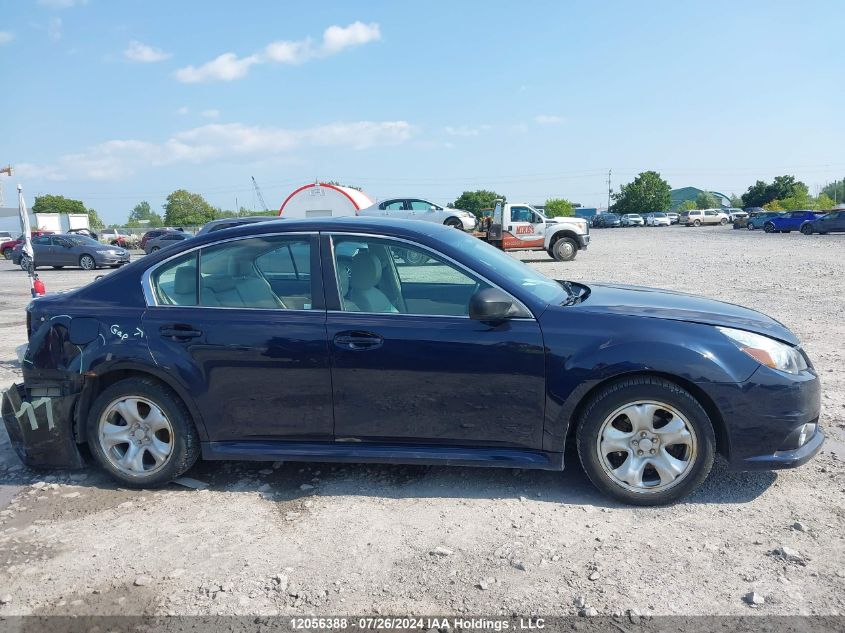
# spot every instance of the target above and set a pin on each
(832, 222)
(113, 237)
(697, 217)
(657, 219)
(607, 221)
(85, 232)
(5, 236)
(789, 221)
(315, 342)
(65, 249)
(166, 239)
(418, 209)
(8, 247)
(756, 219)
(151, 234)
(674, 218)
(632, 219)
(228, 223)
(733, 213)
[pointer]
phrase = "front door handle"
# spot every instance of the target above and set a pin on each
(358, 341)
(179, 332)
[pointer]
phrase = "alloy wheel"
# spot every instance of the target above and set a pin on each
(135, 436)
(646, 446)
(87, 262)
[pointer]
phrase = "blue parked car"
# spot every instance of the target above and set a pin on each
(789, 221)
(756, 219)
(833, 222)
(321, 340)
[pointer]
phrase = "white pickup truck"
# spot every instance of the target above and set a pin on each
(521, 227)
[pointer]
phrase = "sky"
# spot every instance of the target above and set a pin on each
(117, 102)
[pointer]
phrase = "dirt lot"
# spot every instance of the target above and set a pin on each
(315, 538)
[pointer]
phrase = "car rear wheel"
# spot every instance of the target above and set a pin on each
(86, 262)
(7, 253)
(696, 223)
(141, 433)
(564, 249)
(807, 229)
(645, 441)
(723, 221)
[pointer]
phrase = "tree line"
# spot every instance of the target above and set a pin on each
(647, 192)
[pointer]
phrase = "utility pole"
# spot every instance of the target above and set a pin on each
(609, 189)
(8, 171)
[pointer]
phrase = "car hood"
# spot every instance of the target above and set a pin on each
(678, 306)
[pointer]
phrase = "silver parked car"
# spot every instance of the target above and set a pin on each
(163, 241)
(418, 209)
(63, 250)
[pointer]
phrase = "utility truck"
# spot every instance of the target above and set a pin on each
(521, 227)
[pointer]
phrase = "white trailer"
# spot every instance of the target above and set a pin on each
(323, 200)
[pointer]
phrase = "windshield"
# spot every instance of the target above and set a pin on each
(491, 258)
(659, 215)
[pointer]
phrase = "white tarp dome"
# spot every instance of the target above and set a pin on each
(322, 200)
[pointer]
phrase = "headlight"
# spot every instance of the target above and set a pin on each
(767, 351)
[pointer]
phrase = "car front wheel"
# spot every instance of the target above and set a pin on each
(7, 254)
(564, 250)
(86, 262)
(768, 227)
(645, 441)
(455, 223)
(141, 433)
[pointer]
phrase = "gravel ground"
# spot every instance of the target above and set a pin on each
(316, 538)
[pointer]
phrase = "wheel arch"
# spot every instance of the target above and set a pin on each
(452, 218)
(554, 237)
(709, 406)
(94, 386)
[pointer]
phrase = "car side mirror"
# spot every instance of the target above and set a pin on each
(492, 304)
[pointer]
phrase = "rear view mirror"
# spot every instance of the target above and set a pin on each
(492, 304)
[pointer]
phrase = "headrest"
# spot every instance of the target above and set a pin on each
(240, 267)
(343, 280)
(365, 271)
(218, 265)
(185, 281)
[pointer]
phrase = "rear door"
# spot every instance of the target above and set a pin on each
(397, 209)
(242, 323)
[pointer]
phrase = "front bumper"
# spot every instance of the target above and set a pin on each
(40, 428)
(112, 260)
(762, 414)
(584, 240)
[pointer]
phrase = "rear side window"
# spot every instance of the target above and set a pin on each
(175, 282)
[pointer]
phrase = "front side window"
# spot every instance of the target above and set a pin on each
(384, 276)
(422, 205)
(521, 214)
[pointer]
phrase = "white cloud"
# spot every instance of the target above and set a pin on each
(548, 119)
(183, 110)
(228, 66)
(6, 37)
(466, 130)
(62, 4)
(138, 52)
(211, 113)
(116, 159)
(336, 38)
(54, 29)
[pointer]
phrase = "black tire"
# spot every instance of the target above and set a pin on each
(87, 262)
(629, 390)
(455, 223)
(7, 253)
(564, 249)
(750, 226)
(768, 227)
(154, 249)
(807, 229)
(723, 221)
(696, 223)
(186, 443)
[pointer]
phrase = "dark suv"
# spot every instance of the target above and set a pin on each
(832, 222)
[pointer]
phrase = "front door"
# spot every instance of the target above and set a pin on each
(524, 230)
(410, 366)
(242, 324)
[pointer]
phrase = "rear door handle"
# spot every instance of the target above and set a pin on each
(358, 341)
(179, 331)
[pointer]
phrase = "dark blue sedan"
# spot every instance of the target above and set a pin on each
(322, 340)
(789, 221)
